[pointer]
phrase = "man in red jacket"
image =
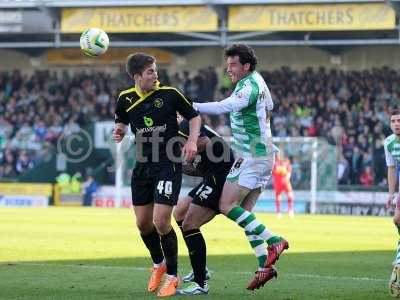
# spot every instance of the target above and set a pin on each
(281, 174)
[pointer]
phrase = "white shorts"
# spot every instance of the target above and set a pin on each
(252, 173)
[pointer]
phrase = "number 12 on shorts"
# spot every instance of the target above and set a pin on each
(205, 191)
(164, 187)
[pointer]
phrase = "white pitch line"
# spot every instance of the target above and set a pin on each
(325, 277)
(337, 278)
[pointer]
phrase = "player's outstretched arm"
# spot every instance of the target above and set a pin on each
(214, 108)
(235, 102)
(229, 104)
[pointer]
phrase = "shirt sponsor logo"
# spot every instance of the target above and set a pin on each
(148, 121)
(151, 129)
(158, 103)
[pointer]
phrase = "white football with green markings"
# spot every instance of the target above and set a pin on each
(94, 42)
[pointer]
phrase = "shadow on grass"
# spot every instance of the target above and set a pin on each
(328, 275)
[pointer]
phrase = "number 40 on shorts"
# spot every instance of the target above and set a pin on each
(164, 187)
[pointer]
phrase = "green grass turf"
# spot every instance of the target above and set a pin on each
(89, 253)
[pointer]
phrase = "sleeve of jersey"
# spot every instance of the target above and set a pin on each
(185, 107)
(184, 128)
(390, 162)
(120, 114)
(269, 103)
(235, 102)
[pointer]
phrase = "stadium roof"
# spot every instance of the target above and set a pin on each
(97, 3)
(55, 38)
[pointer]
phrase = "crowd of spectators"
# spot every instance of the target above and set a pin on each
(349, 109)
(36, 110)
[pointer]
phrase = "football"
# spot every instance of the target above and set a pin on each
(94, 42)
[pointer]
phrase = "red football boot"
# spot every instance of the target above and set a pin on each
(274, 251)
(262, 277)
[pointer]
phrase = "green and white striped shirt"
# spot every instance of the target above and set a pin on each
(392, 150)
(247, 106)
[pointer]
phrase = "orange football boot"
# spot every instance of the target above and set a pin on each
(156, 277)
(169, 287)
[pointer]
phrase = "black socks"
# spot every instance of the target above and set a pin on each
(152, 242)
(169, 244)
(197, 254)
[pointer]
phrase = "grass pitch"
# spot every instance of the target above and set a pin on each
(91, 253)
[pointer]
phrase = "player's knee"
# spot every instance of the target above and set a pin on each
(145, 226)
(163, 226)
(188, 225)
(178, 213)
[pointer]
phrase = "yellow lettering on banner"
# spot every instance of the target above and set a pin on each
(140, 19)
(113, 20)
(26, 189)
(311, 17)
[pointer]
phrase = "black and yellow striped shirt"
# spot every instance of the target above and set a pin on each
(152, 117)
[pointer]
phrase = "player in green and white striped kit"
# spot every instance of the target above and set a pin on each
(392, 153)
(249, 106)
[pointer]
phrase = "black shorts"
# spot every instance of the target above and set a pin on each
(208, 192)
(156, 182)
